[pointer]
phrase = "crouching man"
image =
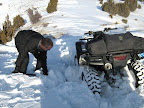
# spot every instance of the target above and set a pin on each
(30, 41)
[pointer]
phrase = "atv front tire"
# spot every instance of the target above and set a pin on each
(91, 77)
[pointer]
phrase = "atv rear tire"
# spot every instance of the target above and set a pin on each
(139, 72)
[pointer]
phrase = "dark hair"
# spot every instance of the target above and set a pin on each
(46, 41)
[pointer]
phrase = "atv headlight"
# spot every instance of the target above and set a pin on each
(108, 66)
(82, 60)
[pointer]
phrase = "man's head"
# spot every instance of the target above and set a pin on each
(46, 44)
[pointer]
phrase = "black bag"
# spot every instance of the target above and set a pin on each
(97, 47)
(138, 43)
(110, 43)
(119, 42)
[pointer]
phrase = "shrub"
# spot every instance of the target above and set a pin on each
(101, 1)
(139, 6)
(141, 1)
(123, 9)
(111, 16)
(52, 6)
(18, 21)
(132, 4)
(34, 18)
(124, 21)
(116, 22)
(7, 32)
(136, 19)
(110, 7)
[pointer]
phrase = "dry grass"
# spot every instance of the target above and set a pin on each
(34, 17)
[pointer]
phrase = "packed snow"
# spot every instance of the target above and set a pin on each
(63, 87)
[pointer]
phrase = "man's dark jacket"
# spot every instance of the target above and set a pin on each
(28, 41)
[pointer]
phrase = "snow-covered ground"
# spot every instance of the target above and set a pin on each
(63, 88)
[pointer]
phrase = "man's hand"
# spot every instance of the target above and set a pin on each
(45, 72)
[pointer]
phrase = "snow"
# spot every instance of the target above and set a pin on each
(63, 87)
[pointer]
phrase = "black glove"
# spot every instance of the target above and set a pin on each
(45, 72)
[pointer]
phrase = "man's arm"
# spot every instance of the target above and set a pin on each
(37, 56)
(43, 56)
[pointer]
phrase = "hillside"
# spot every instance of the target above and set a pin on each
(63, 87)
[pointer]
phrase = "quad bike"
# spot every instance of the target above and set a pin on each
(104, 52)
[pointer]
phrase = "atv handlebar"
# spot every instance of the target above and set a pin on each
(108, 29)
(89, 32)
(105, 30)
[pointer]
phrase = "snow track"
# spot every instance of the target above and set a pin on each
(91, 77)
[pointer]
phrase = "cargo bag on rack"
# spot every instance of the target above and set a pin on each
(97, 47)
(111, 43)
(119, 42)
(138, 43)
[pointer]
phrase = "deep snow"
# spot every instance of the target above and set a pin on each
(63, 88)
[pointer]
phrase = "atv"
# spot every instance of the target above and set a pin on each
(105, 51)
